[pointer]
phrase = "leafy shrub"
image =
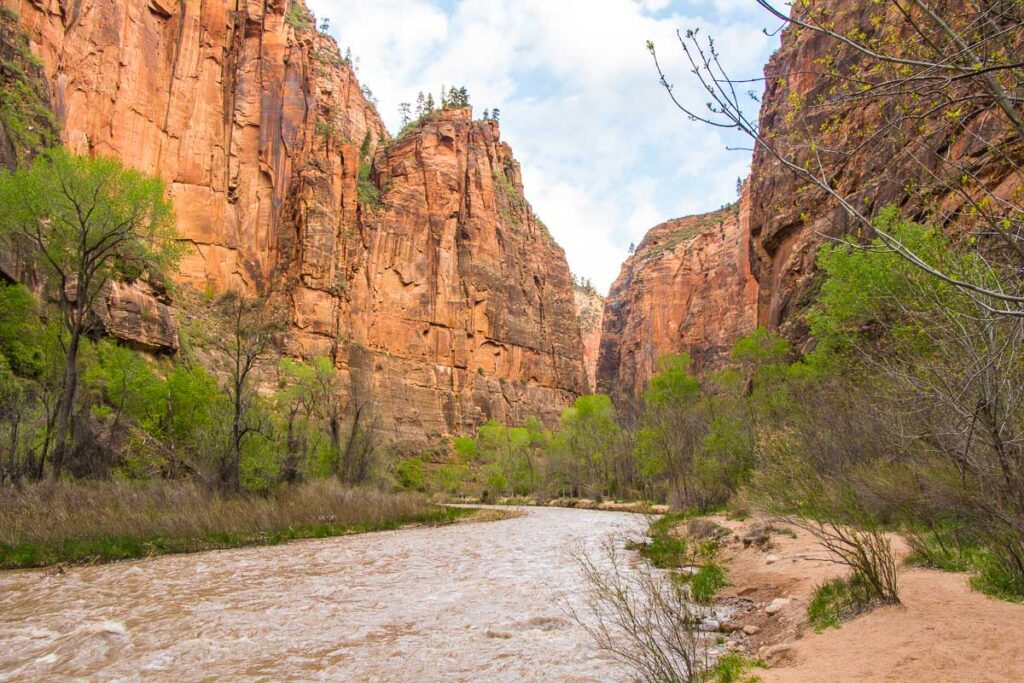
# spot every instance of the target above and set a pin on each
(995, 579)
(838, 600)
(707, 582)
(369, 193)
(732, 667)
(410, 474)
(299, 18)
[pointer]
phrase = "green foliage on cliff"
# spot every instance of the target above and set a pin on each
(25, 112)
(369, 193)
(299, 18)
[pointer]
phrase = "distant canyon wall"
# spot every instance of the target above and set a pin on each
(697, 284)
(687, 288)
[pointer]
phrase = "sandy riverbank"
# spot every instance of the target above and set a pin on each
(943, 631)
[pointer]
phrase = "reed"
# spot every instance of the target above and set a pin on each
(102, 521)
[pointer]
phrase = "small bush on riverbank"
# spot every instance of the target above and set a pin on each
(732, 667)
(996, 580)
(665, 550)
(942, 549)
(642, 618)
(707, 582)
(838, 600)
(58, 522)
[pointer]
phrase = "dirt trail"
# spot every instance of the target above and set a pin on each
(943, 632)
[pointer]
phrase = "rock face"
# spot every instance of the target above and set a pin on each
(701, 296)
(590, 316)
(790, 219)
(459, 306)
(688, 288)
(417, 266)
(139, 314)
(220, 99)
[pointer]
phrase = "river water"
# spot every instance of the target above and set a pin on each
(468, 602)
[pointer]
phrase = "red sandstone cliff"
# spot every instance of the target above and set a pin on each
(688, 288)
(875, 154)
(443, 300)
(219, 98)
(590, 315)
(461, 305)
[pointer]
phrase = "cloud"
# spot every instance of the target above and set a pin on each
(605, 154)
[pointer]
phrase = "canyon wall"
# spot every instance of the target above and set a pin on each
(876, 154)
(220, 98)
(590, 316)
(687, 288)
(760, 268)
(416, 264)
(461, 305)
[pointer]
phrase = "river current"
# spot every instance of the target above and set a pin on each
(468, 602)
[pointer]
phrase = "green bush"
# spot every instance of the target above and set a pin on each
(466, 448)
(410, 474)
(994, 579)
(836, 601)
(369, 193)
(943, 548)
(732, 667)
(665, 550)
(708, 581)
(24, 337)
(299, 18)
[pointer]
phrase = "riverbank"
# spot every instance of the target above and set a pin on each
(943, 631)
(97, 522)
(635, 506)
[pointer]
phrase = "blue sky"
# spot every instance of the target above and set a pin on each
(605, 154)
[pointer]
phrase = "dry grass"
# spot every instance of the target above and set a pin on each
(102, 521)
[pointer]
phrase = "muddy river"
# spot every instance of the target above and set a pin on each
(469, 602)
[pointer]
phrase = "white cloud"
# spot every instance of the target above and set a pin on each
(605, 155)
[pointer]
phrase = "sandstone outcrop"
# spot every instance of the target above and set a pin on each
(783, 220)
(460, 306)
(590, 316)
(688, 288)
(790, 219)
(220, 99)
(417, 265)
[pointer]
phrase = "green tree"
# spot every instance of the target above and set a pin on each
(296, 399)
(672, 429)
(507, 450)
(86, 221)
(252, 325)
(588, 443)
(197, 421)
(24, 339)
(129, 385)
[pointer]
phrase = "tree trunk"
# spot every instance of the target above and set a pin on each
(67, 404)
(229, 470)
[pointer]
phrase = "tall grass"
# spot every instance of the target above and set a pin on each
(50, 523)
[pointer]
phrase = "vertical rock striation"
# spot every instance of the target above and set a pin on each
(417, 265)
(463, 302)
(906, 161)
(222, 99)
(590, 315)
(688, 288)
